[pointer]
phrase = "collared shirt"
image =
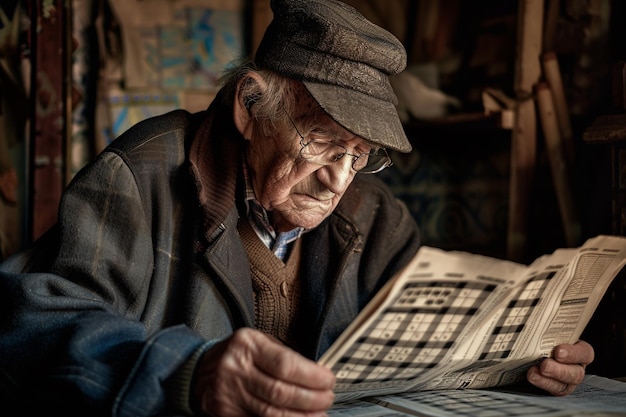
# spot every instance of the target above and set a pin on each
(280, 243)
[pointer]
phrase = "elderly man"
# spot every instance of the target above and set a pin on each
(203, 262)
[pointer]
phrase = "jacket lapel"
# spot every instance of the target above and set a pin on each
(225, 255)
(214, 156)
(329, 296)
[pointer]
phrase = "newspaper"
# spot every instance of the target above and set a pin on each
(460, 320)
(596, 396)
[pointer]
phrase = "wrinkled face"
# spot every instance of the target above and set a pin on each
(294, 191)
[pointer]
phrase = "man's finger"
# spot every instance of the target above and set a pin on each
(278, 393)
(550, 385)
(579, 353)
(287, 365)
(561, 372)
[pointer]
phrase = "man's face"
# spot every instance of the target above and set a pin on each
(296, 192)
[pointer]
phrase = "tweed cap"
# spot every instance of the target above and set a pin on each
(343, 60)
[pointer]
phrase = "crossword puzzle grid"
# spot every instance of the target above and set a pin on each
(426, 315)
(476, 404)
(514, 318)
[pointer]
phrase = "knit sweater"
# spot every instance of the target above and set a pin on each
(275, 285)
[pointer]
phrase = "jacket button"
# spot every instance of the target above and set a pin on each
(283, 289)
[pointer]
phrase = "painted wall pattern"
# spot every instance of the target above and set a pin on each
(456, 188)
(171, 59)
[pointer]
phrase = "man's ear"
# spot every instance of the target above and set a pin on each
(245, 99)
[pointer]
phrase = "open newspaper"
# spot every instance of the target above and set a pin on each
(459, 320)
(594, 397)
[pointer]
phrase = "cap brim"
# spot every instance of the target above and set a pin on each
(373, 119)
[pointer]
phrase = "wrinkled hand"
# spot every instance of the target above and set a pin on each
(253, 374)
(561, 374)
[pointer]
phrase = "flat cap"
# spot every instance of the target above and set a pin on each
(344, 61)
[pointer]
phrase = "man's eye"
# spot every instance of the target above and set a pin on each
(336, 156)
(363, 149)
(360, 162)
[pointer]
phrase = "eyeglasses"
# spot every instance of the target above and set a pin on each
(326, 152)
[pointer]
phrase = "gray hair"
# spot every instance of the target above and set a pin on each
(271, 104)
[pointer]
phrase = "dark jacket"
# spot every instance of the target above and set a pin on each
(145, 265)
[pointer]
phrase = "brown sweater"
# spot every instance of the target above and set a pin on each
(275, 285)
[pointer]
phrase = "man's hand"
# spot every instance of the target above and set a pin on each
(253, 374)
(560, 374)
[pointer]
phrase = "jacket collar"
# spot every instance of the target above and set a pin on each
(214, 157)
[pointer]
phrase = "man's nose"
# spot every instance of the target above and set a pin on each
(338, 175)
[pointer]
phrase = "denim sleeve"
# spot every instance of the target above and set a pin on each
(73, 337)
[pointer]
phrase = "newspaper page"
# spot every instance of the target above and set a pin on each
(595, 396)
(458, 320)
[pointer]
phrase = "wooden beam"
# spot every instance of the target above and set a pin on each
(524, 135)
(559, 166)
(50, 33)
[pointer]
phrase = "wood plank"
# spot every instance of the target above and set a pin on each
(524, 136)
(552, 73)
(529, 46)
(559, 166)
(50, 121)
(523, 159)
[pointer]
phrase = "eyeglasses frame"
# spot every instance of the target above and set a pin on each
(303, 144)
